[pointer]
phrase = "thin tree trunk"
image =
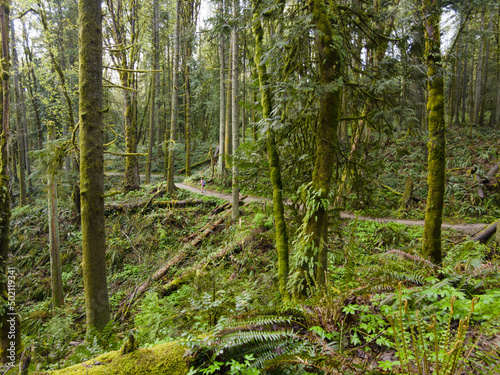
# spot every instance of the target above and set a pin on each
(152, 109)
(235, 110)
(21, 139)
(175, 93)
(55, 253)
(431, 244)
(92, 164)
(222, 108)
(33, 88)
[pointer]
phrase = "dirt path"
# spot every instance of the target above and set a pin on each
(468, 229)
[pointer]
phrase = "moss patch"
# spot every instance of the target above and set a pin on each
(159, 359)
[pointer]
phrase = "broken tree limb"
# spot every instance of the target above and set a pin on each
(195, 165)
(391, 190)
(128, 300)
(484, 235)
(480, 188)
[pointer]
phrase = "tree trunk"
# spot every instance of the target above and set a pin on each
(431, 244)
(55, 253)
(21, 139)
(274, 163)
(32, 87)
(154, 79)
(175, 93)
(222, 108)
(92, 164)
(187, 110)
(10, 328)
(314, 234)
(235, 110)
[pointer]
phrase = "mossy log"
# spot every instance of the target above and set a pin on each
(192, 272)
(484, 235)
(203, 162)
(157, 204)
(127, 301)
(159, 359)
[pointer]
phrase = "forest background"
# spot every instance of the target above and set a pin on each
(317, 108)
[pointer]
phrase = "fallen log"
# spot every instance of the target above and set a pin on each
(195, 165)
(172, 204)
(167, 358)
(484, 235)
(124, 306)
(176, 283)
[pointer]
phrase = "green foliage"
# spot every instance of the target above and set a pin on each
(423, 346)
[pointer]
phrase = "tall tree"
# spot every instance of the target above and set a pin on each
(154, 81)
(235, 109)
(125, 55)
(175, 94)
(222, 108)
(272, 152)
(437, 132)
(55, 253)
(92, 164)
(8, 317)
(314, 231)
(21, 117)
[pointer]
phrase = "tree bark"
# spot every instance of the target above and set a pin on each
(273, 156)
(222, 108)
(175, 93)
(21, 139)
(55, 253)
(10, 328)
(235, 110)
(431, 244)
(154, 79)
(92, 164)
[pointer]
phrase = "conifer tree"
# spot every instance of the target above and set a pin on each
(92, 164)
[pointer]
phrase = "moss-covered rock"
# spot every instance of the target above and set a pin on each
(159, 359)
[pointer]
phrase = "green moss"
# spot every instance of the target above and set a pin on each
(160, 359)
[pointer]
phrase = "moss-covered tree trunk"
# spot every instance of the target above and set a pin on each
(272, 152)
(314, 234)
(174, 102)
(154, 83)
(187, 111)
(235, 111)
(437, 131)
(222, 107)
(21, 139)
(10, 328)
(92, 164)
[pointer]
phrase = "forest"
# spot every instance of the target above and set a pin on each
(250, 187)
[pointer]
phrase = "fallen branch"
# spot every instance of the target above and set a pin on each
(392, 190)
(484, 235)
(127, 301)
(161, 204)
(176, 283)
(480, 188)
(195, 165)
